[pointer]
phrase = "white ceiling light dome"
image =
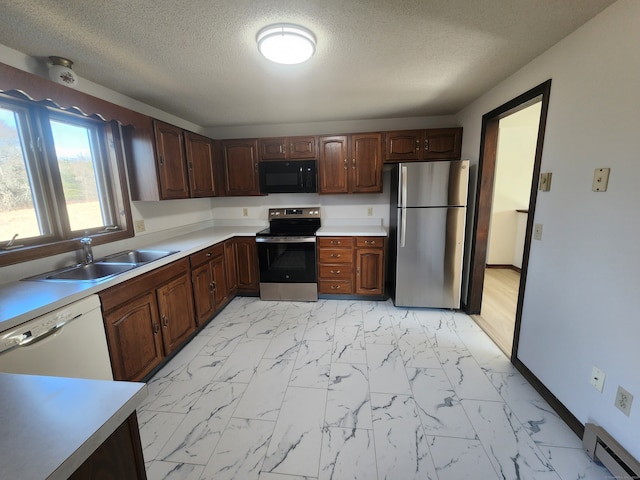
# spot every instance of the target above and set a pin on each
(286, 43)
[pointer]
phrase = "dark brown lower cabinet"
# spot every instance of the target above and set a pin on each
(209, 277)
(351, 265)
(119, 457)
(147, 318)
(247, 265)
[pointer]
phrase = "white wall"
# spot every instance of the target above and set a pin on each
(580, 306)
(512, 185)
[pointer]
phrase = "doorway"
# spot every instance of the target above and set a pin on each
(496, 294)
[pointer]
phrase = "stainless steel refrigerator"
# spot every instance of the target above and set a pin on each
(427, 226)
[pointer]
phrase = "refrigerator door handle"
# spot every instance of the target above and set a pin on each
(403, 187)
(403, 227)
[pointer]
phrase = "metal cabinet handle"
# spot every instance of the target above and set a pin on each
(156, 328)
(417, 144)
(165, 321)
(426, 144)
(213, 286)
(369, 242)
(161, 160)
(345, 163)
(336, 242)
(335, 287)
(208, 254)
(335, 255)
(335, 272)
(353, 163)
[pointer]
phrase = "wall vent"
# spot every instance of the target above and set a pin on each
(603, 448)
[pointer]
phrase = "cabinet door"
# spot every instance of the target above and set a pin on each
(403, 145)
(219, 275)
(366, 163)
(133, 333)
(230, 261)
(273, 148)
(442, 144)
(240, 167)
(203, 293)
(175, 306)
(199, 152)
(301, 148)
(332, 165)
(172, 166)
(369, 271)
(248, 279)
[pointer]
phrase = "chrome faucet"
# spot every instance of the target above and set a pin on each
(87, 253)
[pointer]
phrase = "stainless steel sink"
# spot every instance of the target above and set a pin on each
(139, 257)
(104, 268)
(87, 272)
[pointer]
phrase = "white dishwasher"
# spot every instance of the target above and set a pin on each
(68, 342)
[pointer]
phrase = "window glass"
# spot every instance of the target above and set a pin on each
(78, 157)
(17, 206)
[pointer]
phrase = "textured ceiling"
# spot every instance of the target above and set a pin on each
(198, 59)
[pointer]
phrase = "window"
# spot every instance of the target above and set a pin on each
(60, 178)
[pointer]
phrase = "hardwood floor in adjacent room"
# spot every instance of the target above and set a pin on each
(499, 302)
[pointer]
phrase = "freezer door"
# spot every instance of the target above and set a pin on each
(429, 257)
(433, 184)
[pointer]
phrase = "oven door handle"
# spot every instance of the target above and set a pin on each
(285, 239)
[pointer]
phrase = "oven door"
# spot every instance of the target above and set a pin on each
(287, 259)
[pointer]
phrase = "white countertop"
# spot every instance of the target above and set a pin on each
(24, 300)
(51, 425)
(353, 231)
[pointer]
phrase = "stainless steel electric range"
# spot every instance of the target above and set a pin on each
(287, 255)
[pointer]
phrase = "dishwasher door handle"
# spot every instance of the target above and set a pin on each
(28, 340)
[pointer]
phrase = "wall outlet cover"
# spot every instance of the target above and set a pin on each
(597, 378)
(600, 179)
(623, 401)
(139, 226)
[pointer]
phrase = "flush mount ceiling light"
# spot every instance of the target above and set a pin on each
(60, 71)
(286, 43)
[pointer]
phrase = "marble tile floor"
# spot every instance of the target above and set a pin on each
(343, 389)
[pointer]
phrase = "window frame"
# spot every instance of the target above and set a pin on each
(50, 197)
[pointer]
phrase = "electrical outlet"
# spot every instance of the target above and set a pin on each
(623, 401)
(370, 211)
(139, 226)
(245, 212)
(600, 180)
(597, 378)
(537, 231)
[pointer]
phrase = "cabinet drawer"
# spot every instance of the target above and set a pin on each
(337, 272)
(207, 254)
(328, 242)
(335, 286)
(336, 255)
(370, 242)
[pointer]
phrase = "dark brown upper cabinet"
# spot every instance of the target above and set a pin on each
(287, 148)
(417, 145)
(183, 163)
(350, 163)
(171, 161)
(240, 167)
(200, 155)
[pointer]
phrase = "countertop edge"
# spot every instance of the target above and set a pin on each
(77, 458)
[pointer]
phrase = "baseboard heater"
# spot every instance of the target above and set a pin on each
(603, 448)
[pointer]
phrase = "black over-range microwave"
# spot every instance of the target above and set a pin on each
(288, 176)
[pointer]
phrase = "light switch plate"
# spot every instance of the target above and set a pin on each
(600, 179)
(537, 231)
(545, 182)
